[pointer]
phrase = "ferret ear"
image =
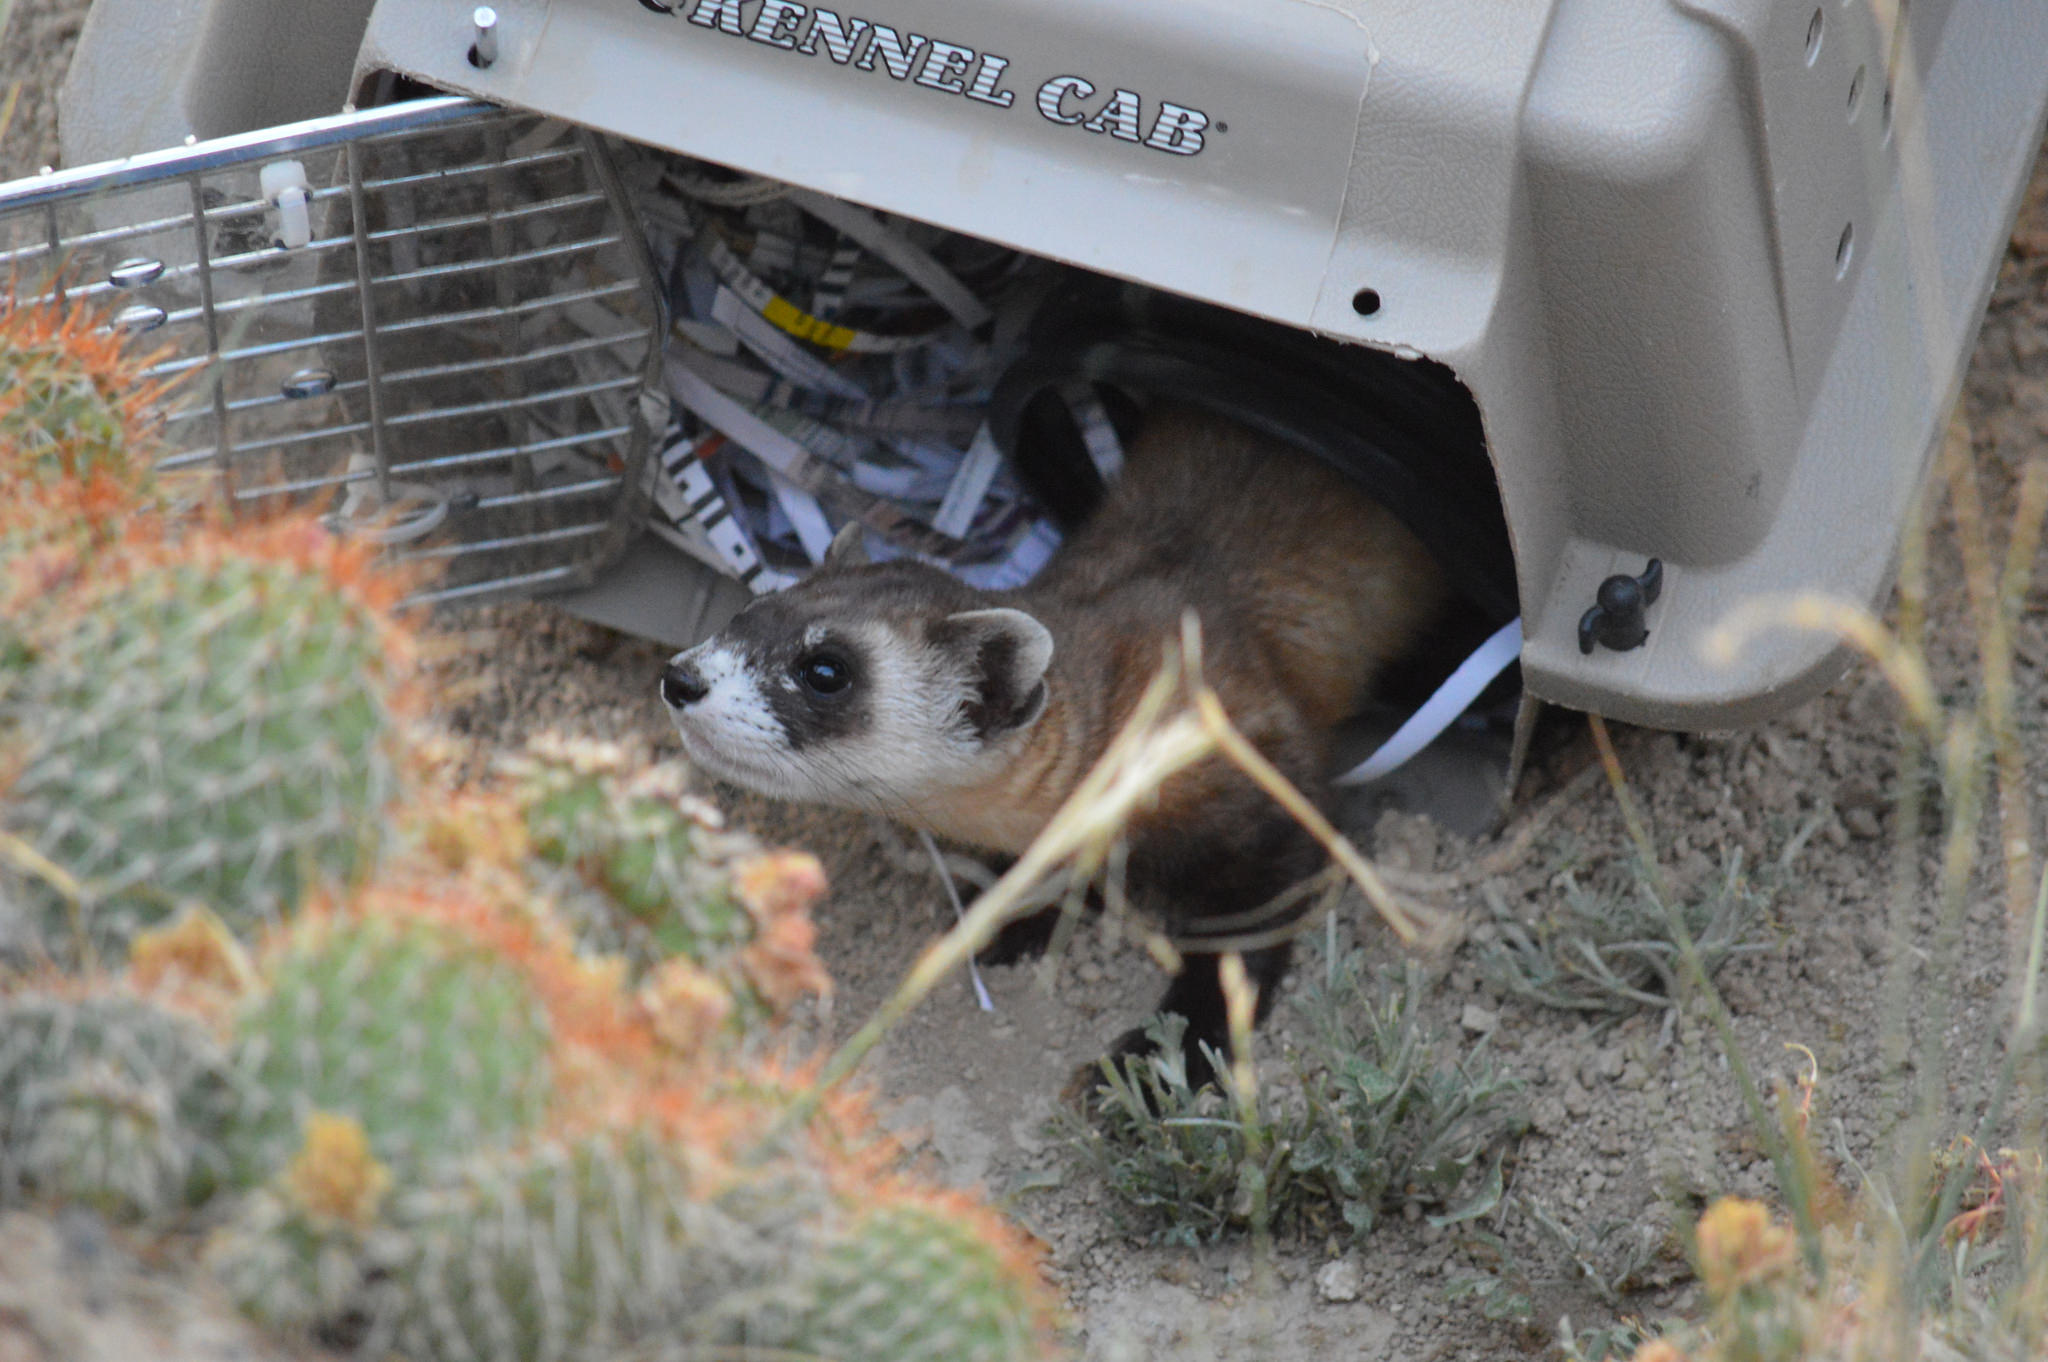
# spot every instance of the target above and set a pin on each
(1007, 652)
(849, 547)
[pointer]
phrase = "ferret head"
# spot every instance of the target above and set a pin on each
(867, 686)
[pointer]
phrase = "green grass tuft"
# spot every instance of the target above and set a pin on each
(1376, 1121)
(1616, 952)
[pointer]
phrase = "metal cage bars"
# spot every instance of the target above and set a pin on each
(457, 346)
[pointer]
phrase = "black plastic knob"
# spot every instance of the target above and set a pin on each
(1617, 619)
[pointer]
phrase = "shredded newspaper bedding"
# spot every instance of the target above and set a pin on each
(828, 365)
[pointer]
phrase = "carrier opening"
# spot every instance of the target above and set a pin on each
(967, 403)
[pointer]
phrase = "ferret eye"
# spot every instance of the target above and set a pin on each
(824, 673)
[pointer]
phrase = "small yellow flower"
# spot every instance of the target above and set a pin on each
(334, 1178)
(685, 1005)
(1658, 1350)
(474, 830)
(196, 948)
(1739, 1246)
(778, 889)
(777, 884)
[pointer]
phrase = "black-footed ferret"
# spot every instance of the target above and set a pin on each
(896, 688)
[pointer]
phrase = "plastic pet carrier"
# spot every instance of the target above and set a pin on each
(1633, 309)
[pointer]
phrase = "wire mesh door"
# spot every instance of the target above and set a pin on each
(433, 323)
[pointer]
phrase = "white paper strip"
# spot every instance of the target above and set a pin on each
(1442, 709)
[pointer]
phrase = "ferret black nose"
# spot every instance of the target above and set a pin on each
(681, 685)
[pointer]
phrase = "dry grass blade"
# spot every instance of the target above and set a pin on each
(1409, 922)
(27, 859)
(2028, 1018)
(1994, 596)
(12, 100)
(1901, 665)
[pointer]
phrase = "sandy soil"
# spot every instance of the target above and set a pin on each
(1634, 1123)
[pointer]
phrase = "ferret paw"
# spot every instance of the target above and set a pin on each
(1152, 1059)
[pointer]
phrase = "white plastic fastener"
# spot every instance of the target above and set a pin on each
(284, 184)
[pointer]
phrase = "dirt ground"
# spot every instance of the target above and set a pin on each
(1634, 1123)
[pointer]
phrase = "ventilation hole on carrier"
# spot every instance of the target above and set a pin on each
(1856, 93)
(1813, 32)
(1365, 302)
(1845, 250)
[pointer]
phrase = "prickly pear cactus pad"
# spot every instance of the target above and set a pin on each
(654, 875)
(627, 839)
(112, 1101)
(630, 841)
(919, 1277)
(411, 1027)
(209, 718)
(554, 1252)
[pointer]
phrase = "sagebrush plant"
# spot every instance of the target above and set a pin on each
(436, 1074)
(1594, 951)
(1378, 1117)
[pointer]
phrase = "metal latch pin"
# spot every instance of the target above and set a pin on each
(484, 51)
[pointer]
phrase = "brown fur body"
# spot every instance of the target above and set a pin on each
(975, 714)
(1305, 588)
